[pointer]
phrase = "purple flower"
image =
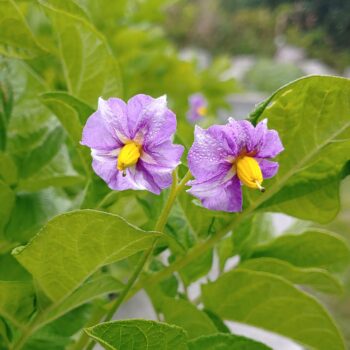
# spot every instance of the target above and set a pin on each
(198, 107)
(225, 157)
(131, 143)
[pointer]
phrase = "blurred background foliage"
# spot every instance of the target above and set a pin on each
(322, 27)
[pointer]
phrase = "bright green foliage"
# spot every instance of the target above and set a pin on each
(184, 314)
(225, 341)
(139, 334)
(91, 239)
(91, 289)
(89, 67)
(16, 38)
(312, 118)
(264, 300)
(318, 279)
(16, 301)
(310, 249)
(8, 200)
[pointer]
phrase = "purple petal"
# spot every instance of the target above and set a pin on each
(135, 107)
(114, 111)
(166, 156)
(268, 168)
(208, 155)
(268, 142)
(150, 119)
(218, 195)
(147, 177)
(98, 134)
(243, 132)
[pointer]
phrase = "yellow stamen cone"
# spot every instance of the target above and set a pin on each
(128, 156)
(249, 172)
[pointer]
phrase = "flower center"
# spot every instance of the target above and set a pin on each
(202, 111)
(128, 156)
(249, 172)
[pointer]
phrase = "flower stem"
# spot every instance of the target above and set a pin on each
(161, 222)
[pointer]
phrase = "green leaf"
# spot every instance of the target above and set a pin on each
(71, 112)
(57, 172)
(89, 66)
(6, 104)
(31, 211)
(218, 322)
(138, 334)
(72, 246)
(318, 279)
(13, 271)
(57, 334)
(225, 250)
(16, 301)
(184, 314)
(315, 248)
(255, 229)
(8, 169)
(270, 302)
(90, 290)
(16, 39)
(200, 268)
(312, 118)
(7, 202)
(34, 160)
(224, 342)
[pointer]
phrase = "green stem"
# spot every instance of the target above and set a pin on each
(84, 338)
(24, 336)
(161, 222)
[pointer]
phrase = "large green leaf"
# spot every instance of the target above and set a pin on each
(315, 248)
(253, 230)
(8, 169)
(31, 211)
(35, 159)
(89, 66)
(270, 302)
(222, 341)
(13, 271)
(312, 116)
(71, 112)
(16, 39)
(72, 246)
(16, 301)
(57, 335)
(47, 164)
(57, 172)
(201, 268)
(318, 279)
(91, 289)
(184, 314)
(7, 202)
(138, 334)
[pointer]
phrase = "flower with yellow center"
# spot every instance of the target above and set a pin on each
(223, 158)
(132, 143)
